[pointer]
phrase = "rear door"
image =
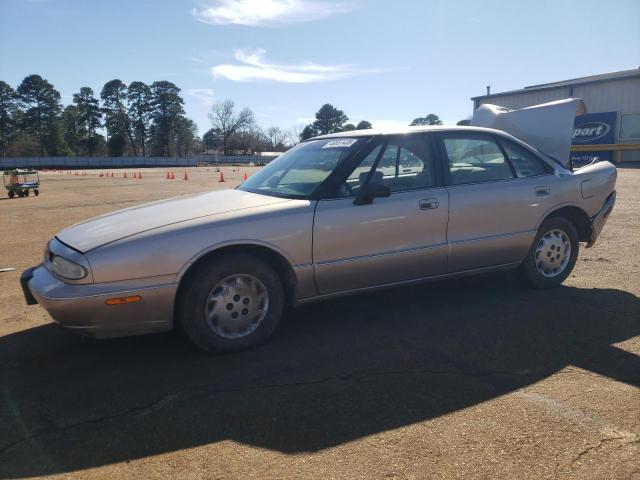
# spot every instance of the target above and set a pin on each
(498, 191)
(394, 239)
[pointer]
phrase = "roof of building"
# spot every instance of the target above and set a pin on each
(603, 77)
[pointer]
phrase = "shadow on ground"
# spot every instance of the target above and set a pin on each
(335, 372)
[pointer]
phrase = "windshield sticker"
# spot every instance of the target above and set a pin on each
(342, 143)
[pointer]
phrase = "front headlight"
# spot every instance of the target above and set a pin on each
(67, 269)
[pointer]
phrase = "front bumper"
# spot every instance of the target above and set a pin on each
(600, 218)
(24, 283)
(83, 308)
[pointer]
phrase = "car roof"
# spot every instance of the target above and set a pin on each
(406, 130)
(432, 128)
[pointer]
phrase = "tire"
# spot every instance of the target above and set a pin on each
(540, 269)
(36, 192)
(11, 194)
(237, 317)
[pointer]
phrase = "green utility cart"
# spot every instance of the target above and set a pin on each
(21, 182)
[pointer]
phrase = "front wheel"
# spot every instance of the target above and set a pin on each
(11, 194)
(553, 254)
(36, 192)
(231, 302)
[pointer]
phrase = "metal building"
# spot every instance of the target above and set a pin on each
(610, 129)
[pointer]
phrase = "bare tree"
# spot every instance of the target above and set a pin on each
(226, 122)
(293, 135)
(276, 138)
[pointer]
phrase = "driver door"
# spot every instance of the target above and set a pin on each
(399, 238)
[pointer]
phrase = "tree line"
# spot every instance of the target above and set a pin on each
(329, 119)
(138, 119)
(237, 132)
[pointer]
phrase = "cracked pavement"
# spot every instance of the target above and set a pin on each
(476, 378)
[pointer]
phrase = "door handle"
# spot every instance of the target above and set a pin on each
(542, 190)
(429, 203)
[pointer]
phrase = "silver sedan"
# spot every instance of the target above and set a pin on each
(337, 214)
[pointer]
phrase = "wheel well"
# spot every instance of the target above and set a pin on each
(578, 217)
(280, 264)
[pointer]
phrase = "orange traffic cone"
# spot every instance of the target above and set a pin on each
(245, 176)
(173, 175)
(167, 177)
(185, 176)
(139, 175)
(125, 175)
(221, 177)
(135, 175)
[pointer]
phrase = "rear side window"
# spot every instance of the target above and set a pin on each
(525, 163)
(475, 159)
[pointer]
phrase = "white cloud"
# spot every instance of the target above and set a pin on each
(205, 95)
(267, 12)
(253, 67)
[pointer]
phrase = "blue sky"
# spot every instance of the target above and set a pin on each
(381, 60)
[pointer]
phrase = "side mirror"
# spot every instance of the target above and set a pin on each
(370, 191)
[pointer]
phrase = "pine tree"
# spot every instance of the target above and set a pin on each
(42, 113)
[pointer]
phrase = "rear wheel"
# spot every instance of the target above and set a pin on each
(231, 303)
(553, 254)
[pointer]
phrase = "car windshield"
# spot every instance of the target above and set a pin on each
(300, 171)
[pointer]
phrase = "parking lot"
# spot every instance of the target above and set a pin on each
(473, 378)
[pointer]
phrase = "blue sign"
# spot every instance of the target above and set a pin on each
(583, 158)
(594, 128)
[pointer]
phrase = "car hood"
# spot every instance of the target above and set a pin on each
(114, 226)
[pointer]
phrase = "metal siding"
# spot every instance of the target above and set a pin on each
(622, 96)
(526, 99)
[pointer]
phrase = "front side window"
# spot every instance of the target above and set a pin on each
(475, 159)
(401, 163)
(298, 172)
(525, 163)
